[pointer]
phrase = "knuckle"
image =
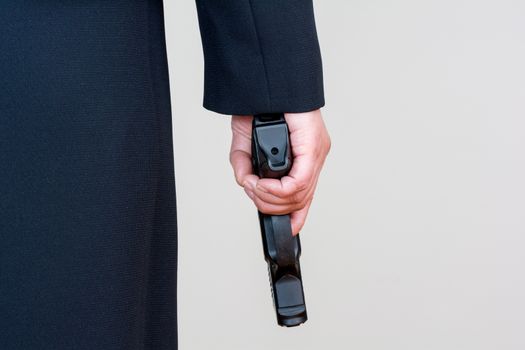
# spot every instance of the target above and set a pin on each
(305, 202)
(271, 209)
(263, 207)
(287, 194)
(300, 206)
(258, 203)
(239, 180)
(300, 185)
(297, 198)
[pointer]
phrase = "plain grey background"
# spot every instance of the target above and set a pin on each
(416, 236)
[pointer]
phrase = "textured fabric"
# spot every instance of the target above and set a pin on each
(87, 203)
(260, 56)
(88, 235)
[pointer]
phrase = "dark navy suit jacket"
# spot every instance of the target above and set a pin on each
(260, 56)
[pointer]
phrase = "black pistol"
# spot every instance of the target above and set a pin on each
(272, 158)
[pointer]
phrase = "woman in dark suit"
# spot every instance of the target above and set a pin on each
(88, 254)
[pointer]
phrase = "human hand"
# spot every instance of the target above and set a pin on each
(293, 193)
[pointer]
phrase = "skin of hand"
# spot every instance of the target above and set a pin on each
(292, 194)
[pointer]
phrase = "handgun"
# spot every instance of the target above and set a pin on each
(272, 158)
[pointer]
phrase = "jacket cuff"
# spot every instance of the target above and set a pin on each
(261, 56)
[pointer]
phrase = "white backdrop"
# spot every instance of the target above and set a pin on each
(416, 238)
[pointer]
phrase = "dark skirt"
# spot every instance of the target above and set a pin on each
(88, 239)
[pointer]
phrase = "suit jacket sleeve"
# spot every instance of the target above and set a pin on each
(260, 56)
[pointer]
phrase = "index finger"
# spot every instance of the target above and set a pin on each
(299, 178)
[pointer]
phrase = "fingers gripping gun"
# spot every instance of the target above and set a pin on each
(271, 156)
